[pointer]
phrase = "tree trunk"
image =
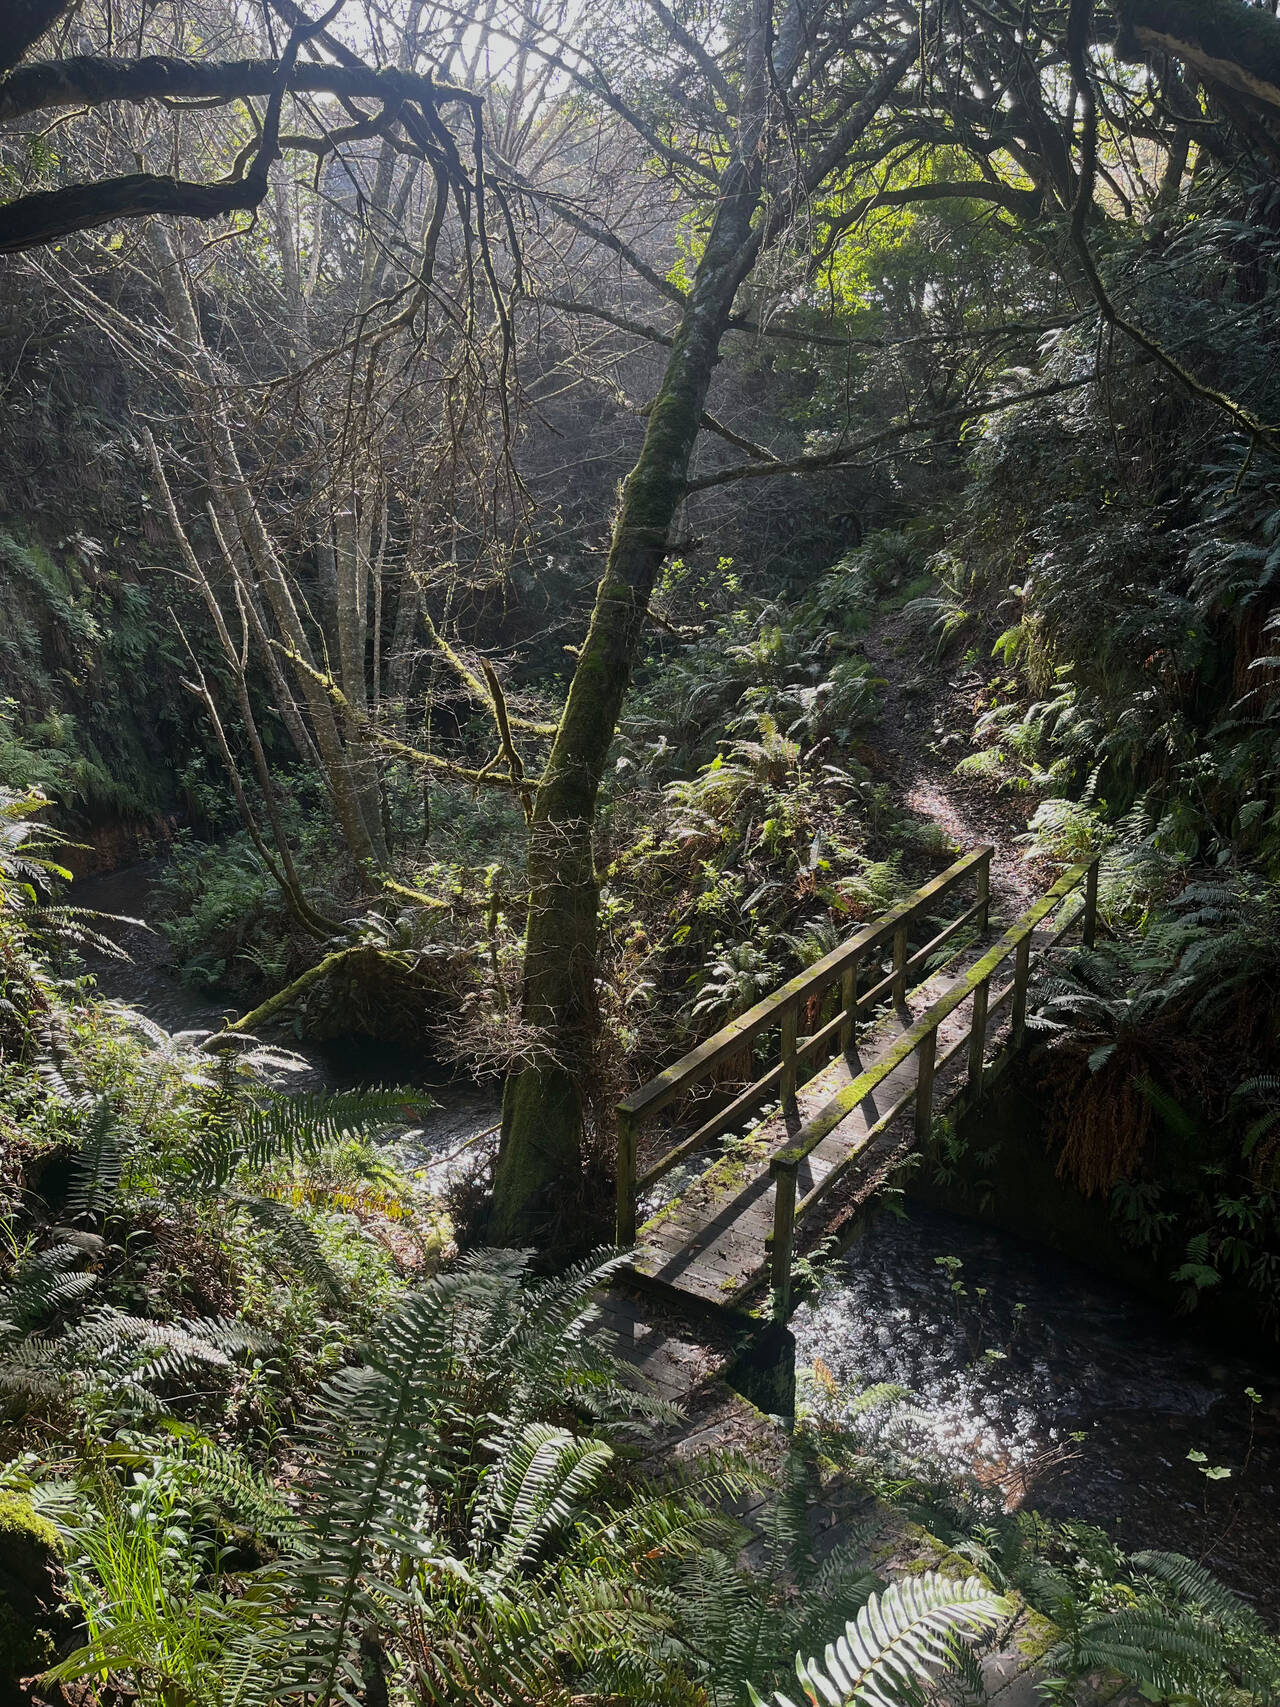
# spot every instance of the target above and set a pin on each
(238, 514)
(540, 1158)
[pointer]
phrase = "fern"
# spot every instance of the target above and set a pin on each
(901, 1641)
(296, 1240)
(435, 1459)
(42, 1286)
(227, 1481)
(117, 1358)
(98, 1165)
(745, 1626)
(293, 1128)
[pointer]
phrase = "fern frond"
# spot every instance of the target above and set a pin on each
(508, 1650)
(534, 1492)
(296, 1240)
(1168, 1652)
(228, 1481)
(98, 1165)
(1196, 1586)
(900, 1642)
(376, 1457)
(76, 927)
(293, 1128)
(121, 1355)
(45, 1284)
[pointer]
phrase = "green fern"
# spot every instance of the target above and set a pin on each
(296, 1240)
(463, 1371)
(98, 1165)
(115, 1358)
(277, 1128)
(45, 1284)
(227, 1481)
(900, 1642)
(1184, 1633)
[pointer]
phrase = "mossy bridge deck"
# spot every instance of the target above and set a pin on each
(912, 1017)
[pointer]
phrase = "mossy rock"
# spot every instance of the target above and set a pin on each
(1036, 1635)
(30, 1610)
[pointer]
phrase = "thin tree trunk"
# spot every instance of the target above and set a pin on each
(237, 507)
(352, 540)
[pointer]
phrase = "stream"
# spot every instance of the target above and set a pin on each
(149, 981)
(1054, 1386)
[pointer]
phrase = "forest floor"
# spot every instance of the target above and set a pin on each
(924, 729)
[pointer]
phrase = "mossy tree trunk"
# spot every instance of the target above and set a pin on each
(537, 1184)
(539, 1162)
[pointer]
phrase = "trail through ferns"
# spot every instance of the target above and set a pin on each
(924, 729)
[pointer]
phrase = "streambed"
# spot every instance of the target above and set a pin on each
(1057, 1388)
(149, 981)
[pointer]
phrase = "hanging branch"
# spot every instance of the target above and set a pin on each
(1078, 25)
(364, 731)
(409, 101)
(299, 986)
(515, 765)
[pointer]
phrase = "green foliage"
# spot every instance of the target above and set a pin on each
(257, 1130)
(447, 1522)
(1178, 1632)
(89, 673)
(103, 1358)
(744, 1630)
(900, 1642)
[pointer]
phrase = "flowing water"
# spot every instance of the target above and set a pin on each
(1055, 1387)
(456, 1128)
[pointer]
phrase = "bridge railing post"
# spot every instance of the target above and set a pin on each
(978, 1038)
(1021, 978)
(900, 960)
(849, 1005)
(1089, 919)
(790, 1064)
(625, 1230)
(984, 893)
(926, 1061)
(782, 1243)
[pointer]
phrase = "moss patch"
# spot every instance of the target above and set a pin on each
(30, 1557)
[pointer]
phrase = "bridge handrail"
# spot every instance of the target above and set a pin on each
(922, 1039)
(782, 1007)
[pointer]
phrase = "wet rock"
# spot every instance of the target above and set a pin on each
(92, 1244)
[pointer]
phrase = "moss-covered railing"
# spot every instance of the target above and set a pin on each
(797, 1055)
(921, 1040)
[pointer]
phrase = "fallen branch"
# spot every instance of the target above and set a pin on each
(282, 998)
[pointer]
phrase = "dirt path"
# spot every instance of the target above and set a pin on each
(924, 730)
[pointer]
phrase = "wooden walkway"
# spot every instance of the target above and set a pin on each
(731, 1225)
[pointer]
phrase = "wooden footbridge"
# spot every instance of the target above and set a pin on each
(912, 1017)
